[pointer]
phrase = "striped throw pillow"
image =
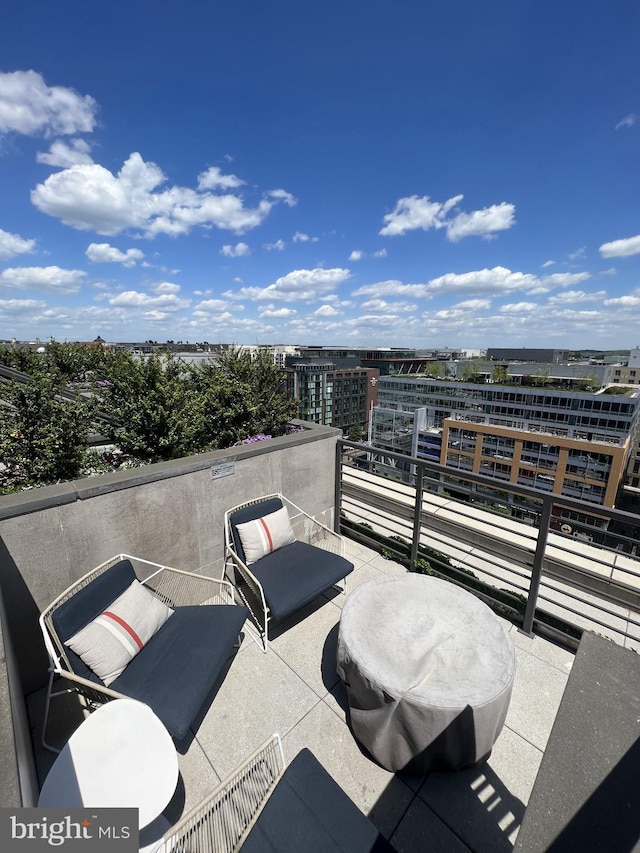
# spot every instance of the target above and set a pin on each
(114, 638)
(265, 535)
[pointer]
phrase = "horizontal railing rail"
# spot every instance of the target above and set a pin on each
(554, 564)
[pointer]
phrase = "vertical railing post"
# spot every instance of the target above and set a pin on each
(536, 570)
(417, 515)
(337, 489)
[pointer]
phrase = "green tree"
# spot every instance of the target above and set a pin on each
(471, 373)
(355, 432)
(166, 408)
(42, 436)
(500, 375)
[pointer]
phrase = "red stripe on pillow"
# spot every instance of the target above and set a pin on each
(136, 639)
(266, 529)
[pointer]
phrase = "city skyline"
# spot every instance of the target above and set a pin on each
(458, 176)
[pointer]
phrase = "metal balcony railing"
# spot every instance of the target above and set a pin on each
(551, 563)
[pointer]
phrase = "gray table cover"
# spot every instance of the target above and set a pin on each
(428, 670)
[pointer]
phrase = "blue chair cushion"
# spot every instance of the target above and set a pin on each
(296, 574)
(92, 599)
(250, 513)
(309, 811)
(181, 664)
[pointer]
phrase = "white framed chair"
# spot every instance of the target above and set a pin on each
(285, 578)
(265, 805)
(176, 669)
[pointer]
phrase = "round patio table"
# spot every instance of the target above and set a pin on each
(120, 756)
(428, 670)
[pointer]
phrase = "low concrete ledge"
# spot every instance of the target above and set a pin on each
(587, 792)
(47, 497)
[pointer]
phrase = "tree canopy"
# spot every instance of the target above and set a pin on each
(151, 409)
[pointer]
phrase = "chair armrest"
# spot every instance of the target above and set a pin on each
(250, 579)
(94, 691)
(224, 818)
(307, 529)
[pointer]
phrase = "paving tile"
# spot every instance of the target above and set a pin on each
(376, 791)
(197, 779)
(387, 567)
(259, 696)
(310, 646)
(537, 690)
(365, 573)
(485, 804)
(421, 830)
(543, 649)
(357, 550)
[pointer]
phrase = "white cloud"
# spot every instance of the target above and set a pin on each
(272, 311)
(301, 237)
(66, 154)
(278, 245)
(610, 271)
(18, 306)
(213, 179)
(381, 253)
(481, 223)
(501, 280)
(296, 285)
(356, 255)
(621, 248)
(90, 197)
(474, 305)
(548, 264)
(45, 279)
(578, 254)
(414, 212)
(519, 308)
(631, 300)
(326, 311)
(103, 253)
(167, 287)
(13, 244)
(238, 280)
(627, 121)
(487, 281)
(570, 297)
(136, 299)
(283, 195)
(388, 307)
(237, 251)
(209, 305)
(30, 107)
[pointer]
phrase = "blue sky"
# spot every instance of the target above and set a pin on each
(359, 173)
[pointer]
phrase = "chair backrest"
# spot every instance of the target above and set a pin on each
(221, 822)
(250, 513)
(84, 604)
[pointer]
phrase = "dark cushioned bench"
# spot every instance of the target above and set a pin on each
(178, 668)
(308, 811)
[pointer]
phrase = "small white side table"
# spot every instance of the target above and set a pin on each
(120, 756)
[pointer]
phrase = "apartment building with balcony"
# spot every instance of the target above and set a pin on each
(332, 396)
(566, 443)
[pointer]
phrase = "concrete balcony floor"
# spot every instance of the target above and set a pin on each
(294, 690)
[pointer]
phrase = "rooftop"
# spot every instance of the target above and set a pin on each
(173, 512)
(294, 690)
